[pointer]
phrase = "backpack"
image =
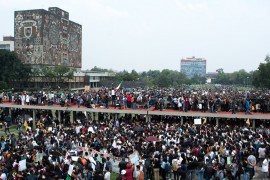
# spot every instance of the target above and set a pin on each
(109, 165)
(89, 174)
(98, 166)
(147, 163)
(183, 167)
(141, 176)
(167, 167)
(209, 170)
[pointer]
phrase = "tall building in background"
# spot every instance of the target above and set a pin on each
(48, 38)
(7, 43)
(193, 66)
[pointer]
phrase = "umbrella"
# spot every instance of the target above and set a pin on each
(152, 138)
(138, 128)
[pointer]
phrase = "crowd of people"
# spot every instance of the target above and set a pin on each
(213, 100)
(94, 145)
(166, 149)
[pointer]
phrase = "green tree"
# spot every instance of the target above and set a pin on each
(151, 76)
(262, 76)
(25, 74)
(3, 85)
(126, 76)
(198, 79)
(239, 77)
(12, 69)
(222, 78)
(63, 74)
(220, 71)
(58, 75)
(134, 75)
(170, 78)
(95, 68)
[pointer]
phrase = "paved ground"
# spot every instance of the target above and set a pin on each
(150, 111)
(259, 174)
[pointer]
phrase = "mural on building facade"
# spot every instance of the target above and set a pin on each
(47, 38)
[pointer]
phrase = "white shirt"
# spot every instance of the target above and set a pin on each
(27, 98)
(137, 174)
(113, 92)
(261, 152)
(67, 161)
(3, 176)
(78, 129)
(265, 165)
(107, 176)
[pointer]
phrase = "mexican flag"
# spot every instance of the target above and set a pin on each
(118, 87)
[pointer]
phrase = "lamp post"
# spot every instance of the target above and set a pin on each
(247, 81)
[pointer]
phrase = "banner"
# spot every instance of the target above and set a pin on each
(134, 157)
(22, 165)
(86, 88)
(197, 121)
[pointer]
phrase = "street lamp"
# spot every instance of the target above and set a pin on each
(247, 81)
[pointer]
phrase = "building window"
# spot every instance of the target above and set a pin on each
(5, 46)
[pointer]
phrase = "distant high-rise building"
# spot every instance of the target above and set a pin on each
(48, 38)
(7, 43)
(193, 66)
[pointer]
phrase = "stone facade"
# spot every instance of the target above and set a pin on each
(48, 38)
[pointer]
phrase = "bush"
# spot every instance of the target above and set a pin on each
(3, 85)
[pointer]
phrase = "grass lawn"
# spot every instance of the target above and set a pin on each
(13, 129)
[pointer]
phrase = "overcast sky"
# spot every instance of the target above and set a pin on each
(157, 34)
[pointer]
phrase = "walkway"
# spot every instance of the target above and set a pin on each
(150, 111)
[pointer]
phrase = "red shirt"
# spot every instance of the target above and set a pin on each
(129, 98)
(129, 173)
(83, 130)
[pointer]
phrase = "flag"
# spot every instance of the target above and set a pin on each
(38, 123)
(205, 120)
(25, 124)
(248, 122)
(118, 87)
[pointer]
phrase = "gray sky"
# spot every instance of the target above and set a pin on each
(156, 34)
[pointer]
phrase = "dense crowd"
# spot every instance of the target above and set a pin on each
(89, 149)
(183, 99)
(166, 149)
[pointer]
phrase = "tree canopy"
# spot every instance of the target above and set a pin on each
(58, 74)
(12, 69)
(164, 78)
(95, 68)
(240, 77)
(261, 77)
